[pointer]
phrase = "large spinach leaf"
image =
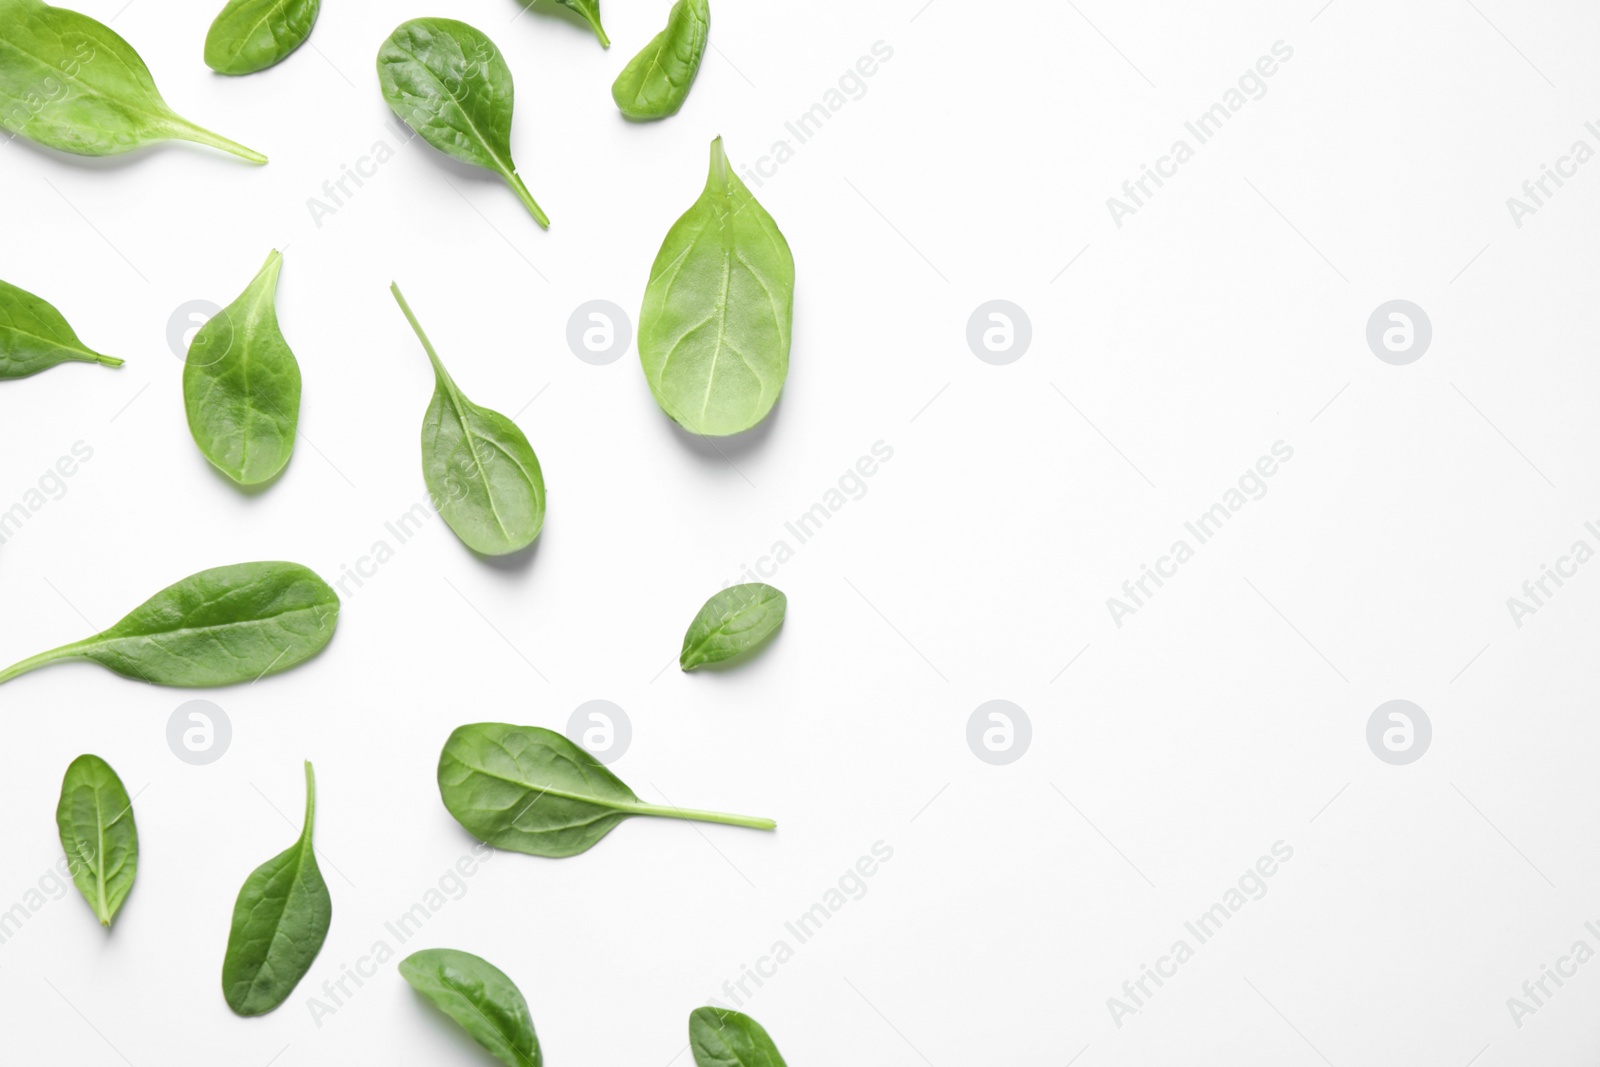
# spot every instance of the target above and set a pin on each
(478, 465)
(70, 83)
(479, 996)
(252, 35)
(241, 385)
(452, 85)
(279, 923)
(35, 337)
(528, 789)
(218, 627)
(714, 330)
(95, 818)
(656, 82)
(722, 1038)
(732, 622)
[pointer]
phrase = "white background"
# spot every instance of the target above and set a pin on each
(1228, 714)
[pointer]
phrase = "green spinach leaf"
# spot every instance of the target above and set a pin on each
(452, 85)
(656, 82)
(252, 35)
(728, 1039)
(218, 627)
(70, 83)
(734, 621)
(279, 923)
(95, 818)
(34, 337)
(589, 10)
(478, 995)
(527, 789)
(478, 465)
(241, 385)
(714, 330)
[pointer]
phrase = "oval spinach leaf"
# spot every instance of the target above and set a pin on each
(734, 621)
(252, 35)
(478, 465)
(70, 83)
(728, 1039)
(241, 385)
(279, 923)
(95, 818)
(218, 627)
(35, 337)
(452, 85)
(714, 329)
(478, 995)
(656, 82)
(528, 789)
(589, 11)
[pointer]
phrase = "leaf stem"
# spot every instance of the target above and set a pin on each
(427, 345)
(599, 30)
(311, 802)
(514, 180)
(693, 815)
(34, 662)
(188, 131)
(107, 361)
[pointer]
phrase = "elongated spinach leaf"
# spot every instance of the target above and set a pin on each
(478, 464)
(241, 385)
(715, 326)
(252, 35)
(656, 82)
(70, 83)
(218, 627)
(34, 337)
(728, 1039)
(736, 620)
(531, 790)
(452, 85)
(478, 995)
(95, 818)
(590, 11)
(279, 923)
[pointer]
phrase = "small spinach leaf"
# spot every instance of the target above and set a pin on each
(528, 789)
(589, 11)
(479, 467)
(70, 83)
(252, 35)
(95, 818)
(728, 1039)
(35, 337)
(735, 620)
(452, 85)
(656, 82)
(241, 385)
(279, 923)
(218, 627)
(714, 330)
(478, 995)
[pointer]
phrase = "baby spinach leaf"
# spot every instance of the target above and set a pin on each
(279, 923)
(478, 464)
(452, 85)
(589, 10)
(728, 1039)
(34, 337)
(478, 995)
(528, 789)
(241, 385)
(95, 818)
(656, 82)
(735, 620)
(218, 627)
(252, 35)
(714, 329)
(70, 83)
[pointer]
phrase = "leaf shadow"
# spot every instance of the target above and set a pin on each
(730, 448)
(249, 492)
(518, 562)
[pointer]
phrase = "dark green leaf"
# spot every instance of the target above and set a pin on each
(34, 336)
(478, 995)
(70, 83)
(452, 85)
(734, 621)
(279, 923)
(241, 385)
(656, 82)
(252, 35)
(218, 627)
(95, 818)
(714, 330)
(728, 1039)
(528, 789)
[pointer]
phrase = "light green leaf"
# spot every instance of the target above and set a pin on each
(95, 818)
